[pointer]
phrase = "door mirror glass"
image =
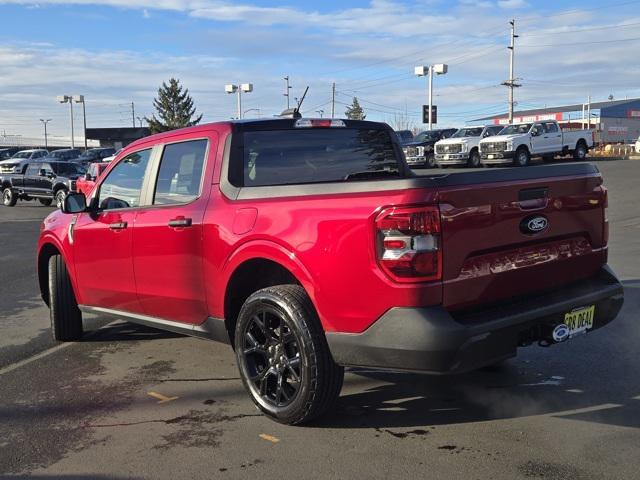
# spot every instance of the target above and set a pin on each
(42, 172)
(88, 177)
(74, 203)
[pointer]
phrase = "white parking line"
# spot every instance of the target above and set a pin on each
(38, 356)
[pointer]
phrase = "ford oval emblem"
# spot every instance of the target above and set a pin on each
(560, 333)
(534, 224)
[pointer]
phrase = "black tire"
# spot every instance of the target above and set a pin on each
(45, 201)
(66, 318)
(580, 153)
(9, 197)
(474, 159)
(59, 197)
(522, 157)
(268, 356)
(430, 160)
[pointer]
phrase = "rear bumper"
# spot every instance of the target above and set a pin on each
(497, 158)
(433, 340)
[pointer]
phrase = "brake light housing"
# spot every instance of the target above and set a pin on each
(408, 243)
(319, 123)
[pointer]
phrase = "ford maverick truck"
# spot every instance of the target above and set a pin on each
(309, 245)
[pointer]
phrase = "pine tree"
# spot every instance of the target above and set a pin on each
(355, 111)
(175, 108)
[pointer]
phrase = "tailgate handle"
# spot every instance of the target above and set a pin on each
(532, 198)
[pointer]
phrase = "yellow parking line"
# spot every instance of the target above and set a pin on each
(161, 397)
(270, 438)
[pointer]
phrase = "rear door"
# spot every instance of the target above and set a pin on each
(554, 136)
(103, 240)
(167, 240)
(491, 254)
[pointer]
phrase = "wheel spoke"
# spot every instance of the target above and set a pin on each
(294, 375)
(279, 388)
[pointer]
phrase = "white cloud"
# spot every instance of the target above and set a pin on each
(512, 4)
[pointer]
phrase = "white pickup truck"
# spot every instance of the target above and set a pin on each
(461, 148)
(519, 142)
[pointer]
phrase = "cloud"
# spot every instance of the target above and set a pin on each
(512, 4)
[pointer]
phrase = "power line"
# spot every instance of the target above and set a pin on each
(581, 43)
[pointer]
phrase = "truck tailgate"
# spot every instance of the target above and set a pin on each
(502, 240)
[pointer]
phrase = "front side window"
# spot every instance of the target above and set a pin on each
(180, 172)
(123, 186)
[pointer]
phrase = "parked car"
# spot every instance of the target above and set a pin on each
(85, 184)
(517, 143)
(462, 147)
(420, 152)
(46, 181)
(95, 155)
(404, 136)
(638, 145)
(310, 245)
(8, 152)
(63, 155)
(18, 162)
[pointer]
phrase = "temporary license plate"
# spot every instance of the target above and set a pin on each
(490, 156)
(579, 320)
(446, 157)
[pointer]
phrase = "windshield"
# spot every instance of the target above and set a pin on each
(513, 129)
(468, 132)
(24, 154)
(427, 137)
(289, 157)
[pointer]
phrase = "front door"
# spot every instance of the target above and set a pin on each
(31, 179)
(539, 141)
(103, 240)
(167, 239)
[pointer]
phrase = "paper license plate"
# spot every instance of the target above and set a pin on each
(579, 320)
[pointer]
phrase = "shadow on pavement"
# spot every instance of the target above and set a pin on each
(124, 331)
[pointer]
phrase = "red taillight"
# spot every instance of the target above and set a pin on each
(319, 123)
(605, 218)
(408, 243)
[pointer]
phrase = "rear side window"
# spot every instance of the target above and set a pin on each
(298, 156)
(123, 185)
(180, 172)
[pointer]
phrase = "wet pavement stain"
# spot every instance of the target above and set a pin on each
(411, 433)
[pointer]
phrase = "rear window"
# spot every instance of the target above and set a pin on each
(298, 156)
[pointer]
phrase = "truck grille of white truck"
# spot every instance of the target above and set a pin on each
(493, 147)
(449, 148)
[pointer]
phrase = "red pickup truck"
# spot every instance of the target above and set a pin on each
(309, 245)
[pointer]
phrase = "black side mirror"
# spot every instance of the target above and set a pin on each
(88, 177)
(42, 172)
(74, 203)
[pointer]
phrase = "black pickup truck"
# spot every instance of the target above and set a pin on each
(46, 181)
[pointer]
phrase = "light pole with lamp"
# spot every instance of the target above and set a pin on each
(80, 99)
(421, 71)
(243, 87)
(320, 112)
(44, 122)
(65, 99)
(251, 110)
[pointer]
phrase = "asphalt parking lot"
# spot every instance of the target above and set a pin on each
(132, 402)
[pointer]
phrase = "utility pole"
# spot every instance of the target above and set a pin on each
(139, 121)
(44, 122)
(133, 115)
(511, 83)
(333, 100)
(589, 111)
(287, 88)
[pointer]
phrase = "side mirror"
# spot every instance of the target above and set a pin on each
(74, 203)
(88, 177)
(42, 172)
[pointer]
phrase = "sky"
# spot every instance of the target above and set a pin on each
(115, 52)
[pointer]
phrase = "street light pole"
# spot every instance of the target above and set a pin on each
(421, 71)
(80, 99)
(286, 92)
(65, 99)
(238, 89)
(44, 122)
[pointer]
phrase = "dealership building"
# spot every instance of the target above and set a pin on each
(614, 121)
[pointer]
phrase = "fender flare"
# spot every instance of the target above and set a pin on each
(50, 239)
(275, 252)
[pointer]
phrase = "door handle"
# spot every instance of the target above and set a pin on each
(180, 222)
(118, 226)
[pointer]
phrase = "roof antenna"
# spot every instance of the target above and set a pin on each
(295, 112)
